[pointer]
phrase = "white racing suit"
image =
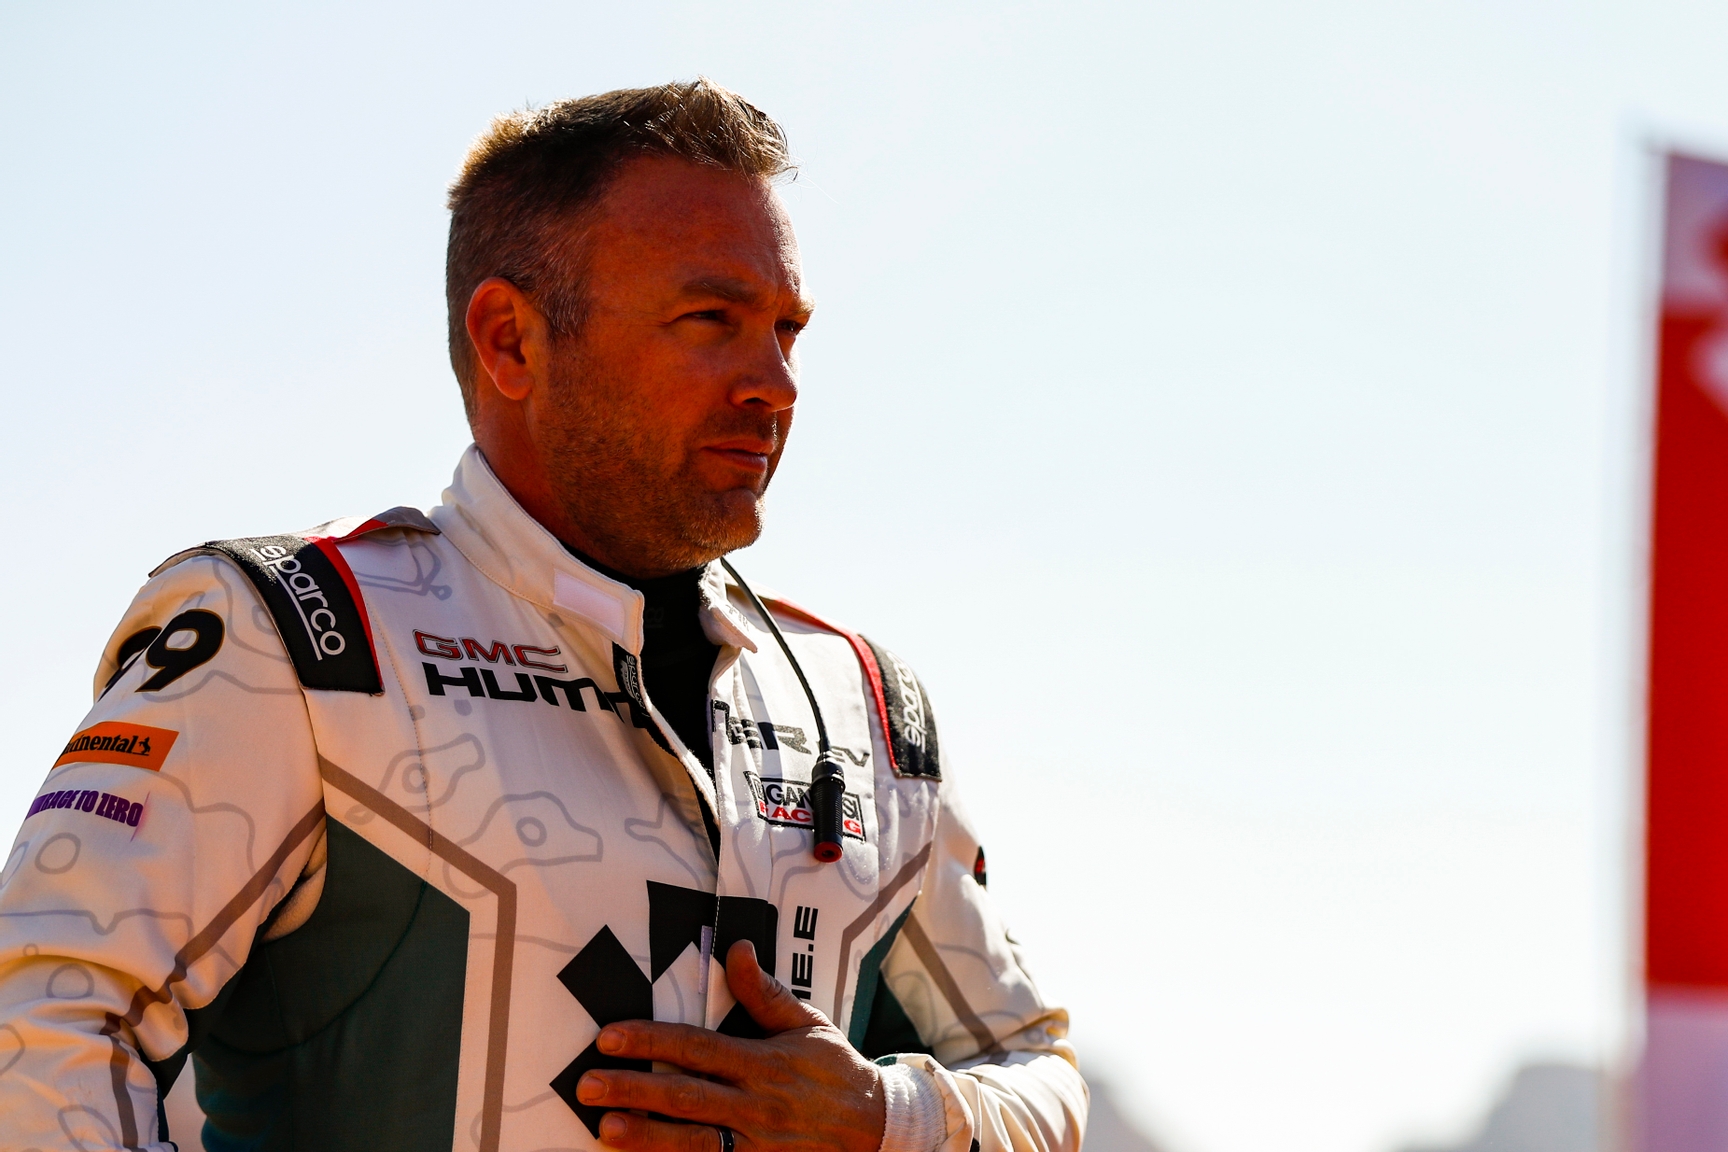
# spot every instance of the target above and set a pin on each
(379, 825)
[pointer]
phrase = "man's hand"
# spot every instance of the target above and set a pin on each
(802, 1087)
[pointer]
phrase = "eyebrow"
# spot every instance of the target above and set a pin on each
(738, 292)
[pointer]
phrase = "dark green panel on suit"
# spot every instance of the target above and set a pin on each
(343, 1036)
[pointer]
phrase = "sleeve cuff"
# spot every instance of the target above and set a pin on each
(917, 1120)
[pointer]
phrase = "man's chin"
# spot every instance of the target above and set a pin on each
(732, 521)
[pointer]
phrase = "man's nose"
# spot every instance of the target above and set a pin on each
(769, 377)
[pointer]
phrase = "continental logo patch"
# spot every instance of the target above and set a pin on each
(114, 743)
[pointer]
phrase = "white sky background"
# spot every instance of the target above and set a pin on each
(1232, 410)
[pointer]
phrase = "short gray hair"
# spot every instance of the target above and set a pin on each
(533, 173)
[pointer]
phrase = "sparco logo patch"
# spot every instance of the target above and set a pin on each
(786, 803)
(911, 728)
(306, 595)
(112, 743)
(911, 701)
(316, 605)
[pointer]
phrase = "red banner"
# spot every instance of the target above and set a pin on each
(1684, 1082)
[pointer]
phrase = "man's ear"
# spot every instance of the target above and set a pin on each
(510, 338)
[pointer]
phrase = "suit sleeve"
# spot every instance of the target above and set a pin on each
(999, 1064)
(179, 815)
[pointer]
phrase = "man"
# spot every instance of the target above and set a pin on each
(524, 823)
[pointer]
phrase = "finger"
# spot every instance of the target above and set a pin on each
(689, 1047)
(769, 1002)
(640, 1134)
(667, 1093)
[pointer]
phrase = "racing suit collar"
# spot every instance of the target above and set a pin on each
(723, 623)
(480, 517)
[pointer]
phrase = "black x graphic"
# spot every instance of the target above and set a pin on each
(610, 986)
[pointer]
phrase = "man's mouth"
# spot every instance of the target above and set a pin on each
(752, 457)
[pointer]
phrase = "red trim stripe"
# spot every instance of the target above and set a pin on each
(866, 659)
(327, 545)
(369, 526)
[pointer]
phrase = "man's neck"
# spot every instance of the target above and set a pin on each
(525, 480)
(640, 583)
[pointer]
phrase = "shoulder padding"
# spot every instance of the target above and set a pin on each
(901, 704)
(352, 527)
(313, 597)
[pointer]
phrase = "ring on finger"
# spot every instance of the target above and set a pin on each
(725, 1135)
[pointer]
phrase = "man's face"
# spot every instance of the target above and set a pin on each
(669, 409)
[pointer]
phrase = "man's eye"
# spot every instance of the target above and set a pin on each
(793, 327)
(714, 314)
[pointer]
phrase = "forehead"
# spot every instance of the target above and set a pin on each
(664, 221)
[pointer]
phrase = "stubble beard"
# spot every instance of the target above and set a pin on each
(637, 499)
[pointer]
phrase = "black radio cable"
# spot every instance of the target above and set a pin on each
(828, 777)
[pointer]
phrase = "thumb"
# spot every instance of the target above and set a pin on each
(768, 1001)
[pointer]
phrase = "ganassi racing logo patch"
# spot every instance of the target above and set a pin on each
(786, 803)
(116, 743)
